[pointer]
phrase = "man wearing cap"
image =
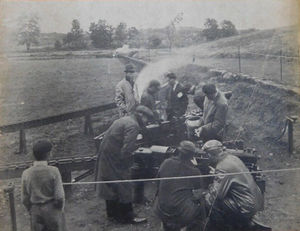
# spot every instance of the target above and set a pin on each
(42, 191)
(176, 205)
(215, 109)
(115, 160)
(177, 99)
(126, 93)
(149, 96)
(232, 199)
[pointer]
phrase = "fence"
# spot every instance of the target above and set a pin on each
(86, 113)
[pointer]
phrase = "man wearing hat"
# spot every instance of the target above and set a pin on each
(149, 96)
(115, 160)
(215, 107)
(176, 205)
(232, 199)
(42, 191)
(177, 99)
(126, 93)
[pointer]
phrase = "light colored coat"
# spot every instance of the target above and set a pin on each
(125, 97)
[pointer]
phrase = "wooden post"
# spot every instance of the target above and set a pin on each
(239, 56)
(22, 142)
(10, 191)
(66, 176)
(290, 122)
(281, 64)
(88, 127)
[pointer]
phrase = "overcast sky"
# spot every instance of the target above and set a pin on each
(56, 16)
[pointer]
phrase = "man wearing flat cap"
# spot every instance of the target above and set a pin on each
(115, 160)
(177, 100)
(215, 107)
(232, 199)
(42, 191)
(126, 96)
(176, 205)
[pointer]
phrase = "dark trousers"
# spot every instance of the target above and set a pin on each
(45, 217)
(122, 212)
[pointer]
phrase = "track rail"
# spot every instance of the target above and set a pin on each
(15, 170)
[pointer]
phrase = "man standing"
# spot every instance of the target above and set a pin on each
(214, 114)
(125, 95)
(232, 199)
(42, 191)
(149, 97)
(176, 204)
(115, 160)
(177, 99)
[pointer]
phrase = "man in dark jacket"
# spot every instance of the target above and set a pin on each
(177, 100)
(115, 160)
(149, 96)
(176, 204)
(232, 199)
(215, 109)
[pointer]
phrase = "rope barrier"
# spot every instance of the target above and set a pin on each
(269, 55)
(182, 177)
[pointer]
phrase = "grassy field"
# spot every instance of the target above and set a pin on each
(34, 89)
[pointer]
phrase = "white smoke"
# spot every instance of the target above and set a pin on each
(157, 70)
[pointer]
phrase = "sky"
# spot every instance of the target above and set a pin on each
(56, 16)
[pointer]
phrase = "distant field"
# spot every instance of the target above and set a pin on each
(34, 89)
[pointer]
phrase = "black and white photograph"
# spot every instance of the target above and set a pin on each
(149, 115)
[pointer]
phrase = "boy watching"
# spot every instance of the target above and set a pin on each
(42, 191)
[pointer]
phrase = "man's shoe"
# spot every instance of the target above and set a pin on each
(138, 220)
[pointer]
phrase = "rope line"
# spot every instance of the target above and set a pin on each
(269, 55)
(182, 177)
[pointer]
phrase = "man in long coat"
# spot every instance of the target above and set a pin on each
(115, 160)
(126, 97)
(214, 114)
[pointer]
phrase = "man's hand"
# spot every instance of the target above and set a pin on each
(198, 131)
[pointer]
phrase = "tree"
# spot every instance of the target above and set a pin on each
(29, 32)
(171, 29)
(154, 41)
(75, 38)
(120, 35)
(228, 29)
(133, 37)
(101, 34)
(211, 31)
(57, 45)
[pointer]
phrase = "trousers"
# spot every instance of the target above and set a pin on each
(45, 217)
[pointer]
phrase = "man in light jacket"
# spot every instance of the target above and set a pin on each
(215, 109)
(126, 93)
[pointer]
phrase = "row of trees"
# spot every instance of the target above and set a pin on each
(104, 36)
(213, 31)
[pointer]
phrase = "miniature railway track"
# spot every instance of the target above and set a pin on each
(14, 170)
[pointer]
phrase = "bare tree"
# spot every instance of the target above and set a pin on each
(171, 29)
(29, 31)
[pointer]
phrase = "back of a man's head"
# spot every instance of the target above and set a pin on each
(187, 150)
(209, 89)
(41, 150)
(213, 147)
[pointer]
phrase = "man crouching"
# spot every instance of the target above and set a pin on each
(233, 200)
(175, 204)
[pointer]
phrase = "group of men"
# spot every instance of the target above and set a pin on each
(230, 201)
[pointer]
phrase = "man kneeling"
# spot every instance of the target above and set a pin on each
(176, 205)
